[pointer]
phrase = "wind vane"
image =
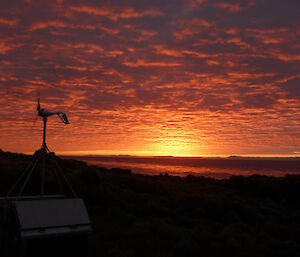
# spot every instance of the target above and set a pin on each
(45, 113)
(42, 153)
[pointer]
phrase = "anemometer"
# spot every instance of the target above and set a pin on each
(41, 154)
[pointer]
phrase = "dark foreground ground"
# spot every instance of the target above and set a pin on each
(136, 216)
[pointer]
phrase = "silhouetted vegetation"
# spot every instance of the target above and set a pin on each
(135, 215)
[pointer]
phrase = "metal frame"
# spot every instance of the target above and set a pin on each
(15, 194)
(42, 153)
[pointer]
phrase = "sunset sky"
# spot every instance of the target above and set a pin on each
(159, 77)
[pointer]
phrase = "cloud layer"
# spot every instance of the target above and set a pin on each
(152, 77)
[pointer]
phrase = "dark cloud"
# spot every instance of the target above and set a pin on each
(292, 88)
(257, 101)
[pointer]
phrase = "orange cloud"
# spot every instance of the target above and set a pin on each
(6, 46)
(47, 24)
(160, 49)
(8, 22)
(239, 42)
(115, 13)
(192, 27)
(229, 7)
(144, 63)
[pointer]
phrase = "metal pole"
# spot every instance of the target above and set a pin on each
(43, 164)
(44, 135)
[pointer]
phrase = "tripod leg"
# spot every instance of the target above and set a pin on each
(29, 175)
(62, 173)
(22, 175)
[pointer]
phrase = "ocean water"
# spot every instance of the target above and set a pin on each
(218, 168)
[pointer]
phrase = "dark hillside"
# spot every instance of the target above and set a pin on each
(135, 215)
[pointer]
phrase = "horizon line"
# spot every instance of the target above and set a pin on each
(92, 154)
(148, 155)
